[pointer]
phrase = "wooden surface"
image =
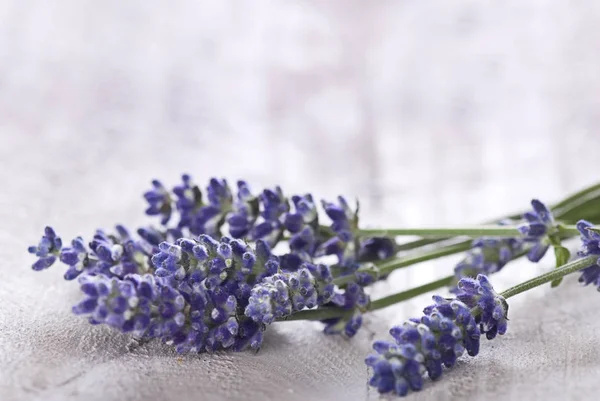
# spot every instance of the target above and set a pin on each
(428, 113)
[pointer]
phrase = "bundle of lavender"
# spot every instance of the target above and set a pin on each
(209, 277)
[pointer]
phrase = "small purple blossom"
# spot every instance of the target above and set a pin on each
(376, 248)
(212, 216)
(76, 257)
(344, 225)
(355, 301)
(305, 214)
(538, 227)
(47, 250)
(188, 202)
(244, 213)
(159, 202)
(274, 207)
(479, 293)
(590, 245)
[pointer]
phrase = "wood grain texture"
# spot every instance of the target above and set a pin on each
(430, 113)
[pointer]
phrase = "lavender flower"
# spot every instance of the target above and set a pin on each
(188, 202)
(110, 255)
(590, 246)
(345, 225)
(159, 202)
(189, 318)
(212, 216)
(305, 214)
(355, 301)
(46, 250)
(245, 212)
(376, 248)
(438, 339)
(494, 309)
(275, 206)
(303, 224)
(76, 257)
(539, 226)
(282, 294)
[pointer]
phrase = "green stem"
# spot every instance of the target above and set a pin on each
(479, 231)
(584, 204)
(388, 267)
(413, 292)
(335, 312)
(562, 271)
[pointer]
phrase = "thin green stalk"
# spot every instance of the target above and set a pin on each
(335, 312)
(562, 271)
(584, 204)
(388, 267)
(408, 294)
(479, 231)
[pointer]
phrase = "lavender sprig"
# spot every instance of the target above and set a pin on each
(447, 329)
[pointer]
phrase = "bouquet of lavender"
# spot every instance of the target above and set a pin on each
(222, 266)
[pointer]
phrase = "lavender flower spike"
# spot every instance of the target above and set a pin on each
(448, 328)
(590, 246)
(47, 250)
(159, 202)
(422, 346)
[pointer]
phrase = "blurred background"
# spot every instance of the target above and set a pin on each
(429, 112)
(380, 101)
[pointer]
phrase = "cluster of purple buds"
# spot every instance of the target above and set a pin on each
(47, 250)
(538, 229)
(267, 216)
(111, 255)
(284, 293)
(135, 304)
(355, 301)
(423, 346)
(487, 256)
(590, 245)
(479, 293)
(344, 225)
